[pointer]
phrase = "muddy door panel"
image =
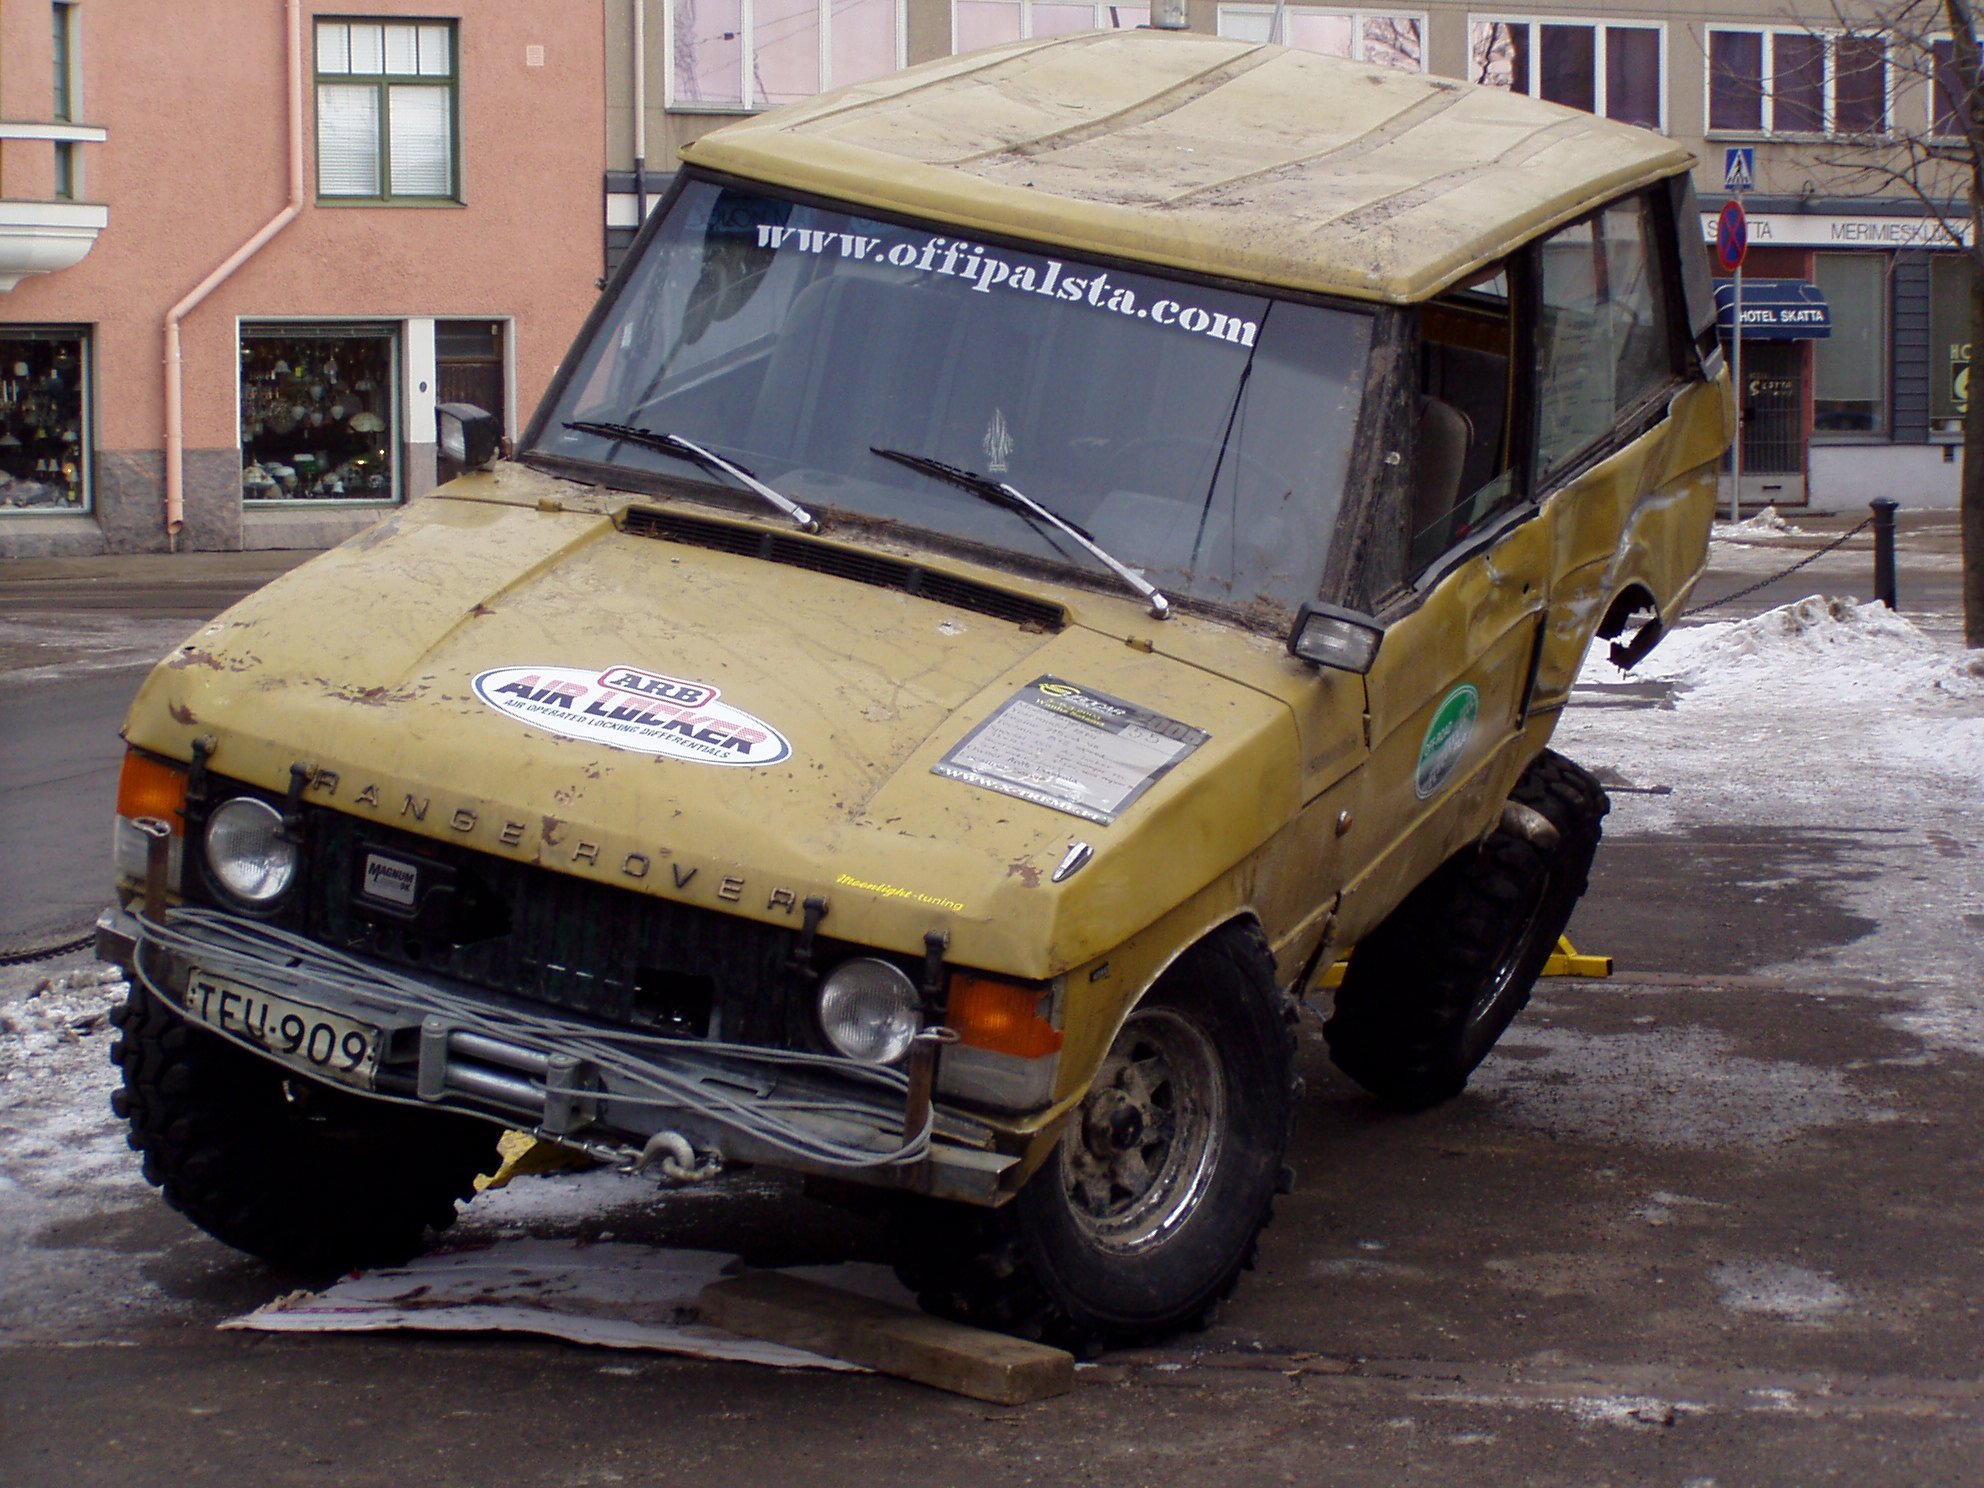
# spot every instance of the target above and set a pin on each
(1446, 699)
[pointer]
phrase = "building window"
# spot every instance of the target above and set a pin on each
(1796, 82)
(45, 418)
(1945, 92)
(67, 184)
(319, 420)
(1850, 367)
(982, 23)
(1384, 40)
(749, 54)
(1950, 278)
(386, 102)
(1617, 71)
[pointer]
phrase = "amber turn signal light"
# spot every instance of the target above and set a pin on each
(1001, 1017)
(149, 787)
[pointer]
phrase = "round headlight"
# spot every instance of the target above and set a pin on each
(247, 851)
(869, 1011)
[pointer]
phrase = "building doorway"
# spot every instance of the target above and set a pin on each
(1773, 423)
(468, 368)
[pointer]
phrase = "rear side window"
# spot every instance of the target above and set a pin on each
(1602, 348)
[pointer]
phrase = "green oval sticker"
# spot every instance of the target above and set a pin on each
(1447, 736)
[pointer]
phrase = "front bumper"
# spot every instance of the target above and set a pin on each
(584, 1084)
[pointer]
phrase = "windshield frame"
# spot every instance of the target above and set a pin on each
(862, 528)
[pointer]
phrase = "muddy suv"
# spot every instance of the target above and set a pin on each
(1031, 560)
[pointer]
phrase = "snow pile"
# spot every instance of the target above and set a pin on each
(1822, 715)
(1809, 653)
(1766, 524)
(39, 1032)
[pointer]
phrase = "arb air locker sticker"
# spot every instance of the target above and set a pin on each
(631, 709)
(1082, 752)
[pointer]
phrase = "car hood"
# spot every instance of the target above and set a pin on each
(532, 681)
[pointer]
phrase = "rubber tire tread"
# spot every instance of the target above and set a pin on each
(1406, 1025)
(307, 1177)
(990, 1267)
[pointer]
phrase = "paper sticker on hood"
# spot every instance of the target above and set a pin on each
(1070, 748)
(627, 708)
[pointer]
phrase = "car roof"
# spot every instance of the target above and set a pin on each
(1223, 157)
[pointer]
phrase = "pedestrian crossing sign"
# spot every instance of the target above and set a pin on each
(1739, 167)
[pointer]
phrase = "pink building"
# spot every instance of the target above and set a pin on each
(247, 245)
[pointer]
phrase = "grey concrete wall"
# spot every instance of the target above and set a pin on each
(1845, 477)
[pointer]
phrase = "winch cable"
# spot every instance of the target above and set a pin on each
(258, 955)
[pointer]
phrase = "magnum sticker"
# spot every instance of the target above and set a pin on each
(627, 708)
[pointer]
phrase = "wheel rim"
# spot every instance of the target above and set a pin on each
(1496, 985)
(1147, 1139)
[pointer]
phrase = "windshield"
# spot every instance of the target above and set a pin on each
(1198, 435)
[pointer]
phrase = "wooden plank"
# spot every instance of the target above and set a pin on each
(894, 1340)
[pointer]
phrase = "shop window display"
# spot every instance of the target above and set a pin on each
(44, 399)
(317, 415)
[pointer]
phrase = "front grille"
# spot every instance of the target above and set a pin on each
(563, 942)
(844, 563)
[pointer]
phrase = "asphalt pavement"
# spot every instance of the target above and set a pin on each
(1713, 1223)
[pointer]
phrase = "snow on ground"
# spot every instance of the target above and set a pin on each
(1827, 714)
(64, 1164)
(41, 648)
(1766, 524)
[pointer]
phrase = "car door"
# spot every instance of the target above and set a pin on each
(1539, 385)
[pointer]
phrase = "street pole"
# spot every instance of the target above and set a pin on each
(1736, 372)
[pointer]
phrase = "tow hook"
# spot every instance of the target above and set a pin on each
(678, 1160)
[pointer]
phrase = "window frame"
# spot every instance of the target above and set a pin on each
(1933, 81)
(746, 51)
(67, 104)
(1649, 407)
(1882, 265)
(1599, 26)
(1025, 8)
(1831, 36)
(384, 82)
(1357, 17)
(84, 335)
(394, 332)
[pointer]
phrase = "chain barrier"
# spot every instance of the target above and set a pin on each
(12, 957)
(1837, 542)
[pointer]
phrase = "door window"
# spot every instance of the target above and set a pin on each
(1602, 347)
(1463, 474)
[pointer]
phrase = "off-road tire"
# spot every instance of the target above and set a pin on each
(1076, 1258)
(306, 1177)
(1427, 993)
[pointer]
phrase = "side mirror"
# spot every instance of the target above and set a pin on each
(468, 436)
(1327, 636)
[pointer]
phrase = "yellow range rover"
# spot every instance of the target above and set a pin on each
(1031, 560)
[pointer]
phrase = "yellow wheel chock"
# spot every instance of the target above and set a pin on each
(1566, 960)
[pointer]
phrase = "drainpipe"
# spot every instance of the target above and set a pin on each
(640, 113)
(175, 412)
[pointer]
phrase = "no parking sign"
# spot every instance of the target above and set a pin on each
(1732, 235)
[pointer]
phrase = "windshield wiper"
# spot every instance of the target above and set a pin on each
(688, 449)
(1001, 494)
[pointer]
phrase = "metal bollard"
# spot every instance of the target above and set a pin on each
(1884, 588)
